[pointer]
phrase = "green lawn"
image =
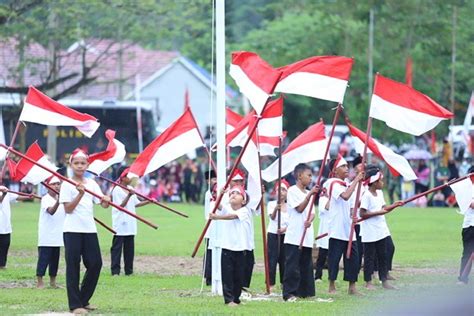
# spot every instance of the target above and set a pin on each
(427, 241)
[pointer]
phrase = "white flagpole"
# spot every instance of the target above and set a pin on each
(220, 133)
(139, 114)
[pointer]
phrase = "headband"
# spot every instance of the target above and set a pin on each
(376, 177)
(239, 189)
(78, 153)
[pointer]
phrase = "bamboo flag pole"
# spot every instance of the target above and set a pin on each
(97, 220)
(30, 195)
(321, 169)
(138, 194)
(60, 176)
(262, 219)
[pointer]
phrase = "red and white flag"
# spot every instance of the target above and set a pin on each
(255, 78)
(322, 77)
(307, 147)
(178, 139)
(26, 171)
(464, 193)
(232, 120)
(41, 109)
(404, 108)
(114, 153)
(397, 164)
(269, 128)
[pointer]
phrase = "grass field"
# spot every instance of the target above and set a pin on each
(167, 281)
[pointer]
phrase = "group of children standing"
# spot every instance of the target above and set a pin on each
(67, 219)
(292, 215)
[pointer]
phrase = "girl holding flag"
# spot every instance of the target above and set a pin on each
(80, 234)
(50, 233)
(374, 229)
(124, 225)
(235, 216)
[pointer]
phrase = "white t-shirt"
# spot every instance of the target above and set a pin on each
(352, 199)
(324, 222)
(340, 218)
(207, 210)
(50, 227)
(273, 223)
(374, 228)
(81, 220)
(469, 215)
(124, 224)
(5, 213)
(296, 220)
(234, 236)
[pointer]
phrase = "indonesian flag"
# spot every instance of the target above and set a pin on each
(397, 164)
(269, 128)
(26, 171)
(322, 77)
(308, 146)
(177, 140)
(251, 162)
(255, 78)
(464, 193)
(41, 109)
(404, 108)
(114, 153)
(232, 120)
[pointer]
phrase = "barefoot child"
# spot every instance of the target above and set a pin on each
(235, 216)
(467, 238)
(374, 229)
(80, 234)
(299, 275)
(124, 225)
(276, 252)
(50, 234)
(5, 221)
(341, 221)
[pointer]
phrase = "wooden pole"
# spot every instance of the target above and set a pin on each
(138, 194)
(279, 193)
(359, 187)
(60, 176)
(262, 219)
(97, 220)
(321, 169)
(30, 195)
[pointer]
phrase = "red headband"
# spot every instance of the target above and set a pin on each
(240, 190)
(78, 153)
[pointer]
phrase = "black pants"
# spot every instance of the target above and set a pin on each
(373, 250)
(85, 246)
(276, 256)
(390, 253)
(128, 245)
(4, 246)
(360, 246)
(249, 262)
(232, 274)
(299, 278)
(208, 264)
(338, 248)
(468, 249)
(320, 263)
(47, 257)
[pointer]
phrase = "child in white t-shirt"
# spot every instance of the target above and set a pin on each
(374, 229)
(6, 198)
(80, 234)
(124, 225)
(275, 237)
(235, 216)
(341, 221)
(467, 239)
(299, 275)
(50, 234)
